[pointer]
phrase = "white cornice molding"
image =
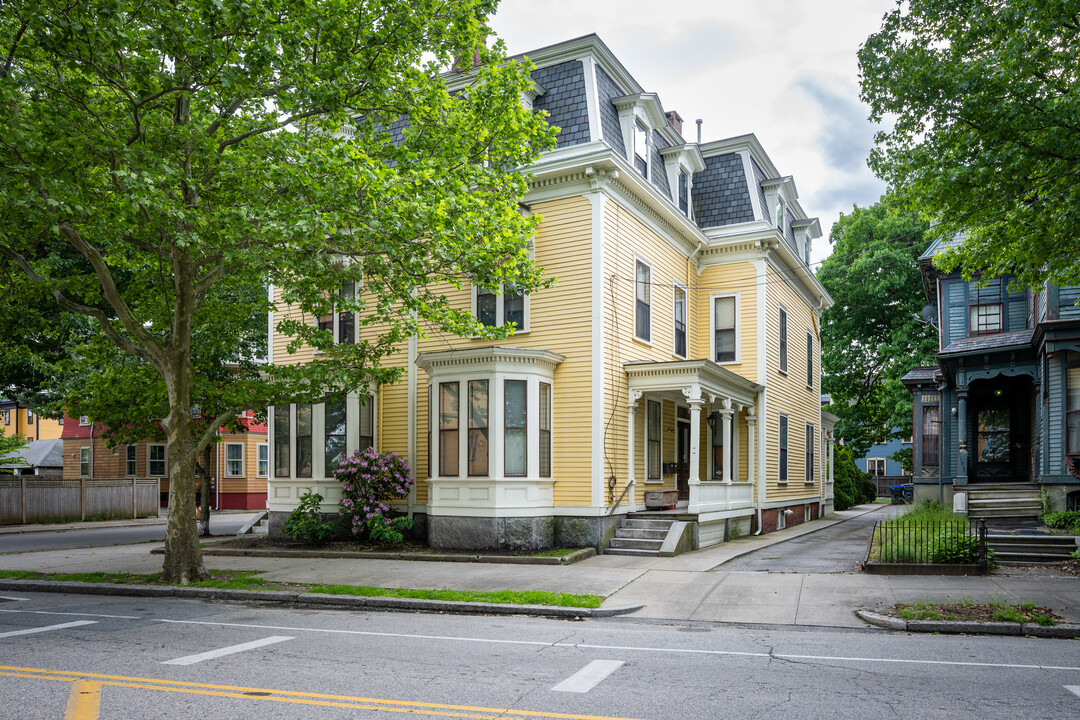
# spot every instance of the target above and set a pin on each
(495, 354)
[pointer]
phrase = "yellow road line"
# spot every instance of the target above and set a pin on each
(84, 702)
(286, 696)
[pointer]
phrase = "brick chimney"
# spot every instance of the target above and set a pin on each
(675, 120)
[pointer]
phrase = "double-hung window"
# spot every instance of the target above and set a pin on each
(809, 359)
(335, 427)
(282, 440)
(508, 307)
(1072, 411)
(724, 312)
(156, 460)
(29, 416)
(652, 439)
(366, 426)
(478, 428)
(448, 429)
(985, 310)
(234, 460)
(84, 461)
(783, 340)
(263, 468)
(783, 448)
(515, 422)
(545, 430)
(684, 193)
(876, 467)
(341, 323)
(680, 321)
(303, 441)
(641, 148)
(931, 436)
(642, 301)
(130, 469)
(809, 453)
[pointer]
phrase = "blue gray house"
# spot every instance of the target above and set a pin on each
(997, 420)
(877, 462)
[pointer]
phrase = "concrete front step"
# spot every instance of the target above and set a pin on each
(630, 551)
(645, 524)
(625, 543)
(1032, 548)
(623, 532)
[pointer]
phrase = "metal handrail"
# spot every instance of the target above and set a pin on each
(618, 502)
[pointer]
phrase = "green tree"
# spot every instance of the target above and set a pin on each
(983, 135)
(173, 147)
(10, 447)
(874, 333)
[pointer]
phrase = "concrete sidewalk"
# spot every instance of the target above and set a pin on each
(161, 519)
(689, 587)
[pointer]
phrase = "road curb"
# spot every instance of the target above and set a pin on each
(317, 600)
(576, 556)
(964, 627)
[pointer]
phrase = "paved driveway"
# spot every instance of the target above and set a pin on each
(834, 549)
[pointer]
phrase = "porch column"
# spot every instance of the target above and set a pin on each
(751, 447)
(695, 439)
(832, 456)
(725, 415)
(631, 481)
(962, 432)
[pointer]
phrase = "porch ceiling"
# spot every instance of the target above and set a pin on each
(691, 378)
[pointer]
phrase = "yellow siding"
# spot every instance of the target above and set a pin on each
(739, 279)
(788, 393)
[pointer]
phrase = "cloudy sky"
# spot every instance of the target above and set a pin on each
(785, 70)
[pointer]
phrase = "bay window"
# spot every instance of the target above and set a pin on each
(334, 431)
(282, 440)
(448, 429)
(515, 427)
(478, 428)
(303, 441)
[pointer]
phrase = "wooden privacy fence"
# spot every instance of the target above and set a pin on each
(34, 498)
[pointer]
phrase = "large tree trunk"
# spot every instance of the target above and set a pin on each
(204, 506)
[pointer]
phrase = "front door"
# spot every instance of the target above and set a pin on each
(682, 459)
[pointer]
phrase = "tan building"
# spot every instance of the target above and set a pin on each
(676, 362)
(239, 463)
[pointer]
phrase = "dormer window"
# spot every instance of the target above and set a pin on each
(806, 251)
(684, 194)
(641, 148)
(780, 215)
(985, 310)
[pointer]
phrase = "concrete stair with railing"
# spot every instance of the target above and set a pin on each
(639, 536)
(1003, 502)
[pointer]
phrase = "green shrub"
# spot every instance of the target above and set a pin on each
(306, 521)
(957, 548)
(1067, 519)
(849, 488)
(388, 530)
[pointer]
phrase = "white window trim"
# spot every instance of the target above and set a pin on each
(809, 358)
(660, 440)
(875, 460)
(84, 419)
(336, 315)
(652, 302)
(259, 450)
(84, 457)
(783, 336)
(230, 474)
(164, 460)
(808, 444)
(134, 460)
(500, 310)
(787, 465)
(675, 287)
(713, 297)
(647, 155)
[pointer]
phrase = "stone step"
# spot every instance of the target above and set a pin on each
(640, 524)
(1023, 557)
(629, 551)
(1002, 510)
(635, 544)
(622, 532)
(1040, 540)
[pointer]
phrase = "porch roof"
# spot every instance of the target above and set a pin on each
(695, 378)
(1020, 339)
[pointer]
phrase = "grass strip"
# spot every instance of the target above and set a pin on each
(511, 597)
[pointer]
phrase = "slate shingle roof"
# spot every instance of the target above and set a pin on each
(921, 374)
(659, 172)
(564, 101)
(996, 341)
(721, 195)
(609, 116)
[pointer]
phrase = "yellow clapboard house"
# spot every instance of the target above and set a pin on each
(672, 373)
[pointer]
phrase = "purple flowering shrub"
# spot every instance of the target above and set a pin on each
(370, 481)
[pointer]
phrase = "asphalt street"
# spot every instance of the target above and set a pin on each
(834, 549)
(86, 657)
(224, 524)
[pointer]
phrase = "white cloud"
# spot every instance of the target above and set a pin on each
(784, 70)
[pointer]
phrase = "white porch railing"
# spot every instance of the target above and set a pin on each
(709, 497)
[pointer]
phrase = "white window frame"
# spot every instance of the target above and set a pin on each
(639, 259)
(228, 460)
(7, 417)
(262, 458)
(640, 124)
(150, 461)
(872, 462)
(810, 359)
(783, 450)
(335, 324)
(659, 478)
(712, 327)
(676, 288)
(131, 460)
(500, 308)
(29, 416)
(810, 453)
(783, 349)
(84, 461)
(84, 419)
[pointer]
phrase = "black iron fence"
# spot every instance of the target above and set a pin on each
(949, 542)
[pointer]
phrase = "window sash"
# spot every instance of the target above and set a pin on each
(335, 425)
(809, 453)
(809, 359)
(724, 320)
(545, 430)
(282, 440)
(515, 428)
(366, 426)
(783, 448)
(642, 296)
(1072, 411)
(263, 455)
(303, 441)
(234, 460)
(931, 436)
(986, 318)
(478, 450)
(783, 341)
(684, 195)
(486, 308)
(130, 458)
(448, 430)
(680, 322)
(652, 439)
(156, 460)
(84, 461)
(641, 148)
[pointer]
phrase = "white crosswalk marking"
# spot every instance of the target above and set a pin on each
(588, 677)
(47, 628)
(1074, 689)
(8, 597)
(192, 659)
